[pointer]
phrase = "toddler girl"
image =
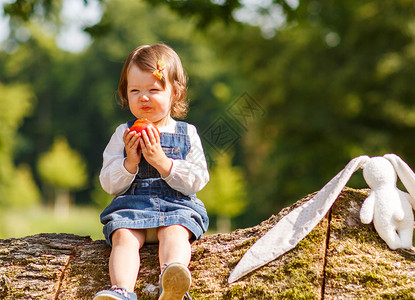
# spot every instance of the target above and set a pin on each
(154, 177)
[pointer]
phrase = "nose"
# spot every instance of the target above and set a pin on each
(144, 97)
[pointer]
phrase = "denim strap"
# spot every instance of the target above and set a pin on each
(181, 127)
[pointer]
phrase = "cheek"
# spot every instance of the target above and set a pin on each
(132, 102)
(166, 105)
(132, 98)
(168, 99)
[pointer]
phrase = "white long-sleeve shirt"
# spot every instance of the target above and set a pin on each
(187, 176)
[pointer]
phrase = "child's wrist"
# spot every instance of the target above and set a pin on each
(130, 167)
(165, 167)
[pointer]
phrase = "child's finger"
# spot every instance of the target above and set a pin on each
(136, 141)
(155, 134)
(132, 141)
(142, 144)
(151, 135)
(133, 137)
(145, 137)
(126, 132)
(128, 135)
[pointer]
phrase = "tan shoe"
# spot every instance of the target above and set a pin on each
(175, 282)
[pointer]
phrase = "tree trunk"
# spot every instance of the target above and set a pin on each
(62, 203)
(223, 224)
(340, 259)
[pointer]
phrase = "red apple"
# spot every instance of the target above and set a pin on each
(142, 124)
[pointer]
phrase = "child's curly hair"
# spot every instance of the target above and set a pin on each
(146, 57)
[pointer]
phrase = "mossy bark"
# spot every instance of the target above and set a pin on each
(340, 259)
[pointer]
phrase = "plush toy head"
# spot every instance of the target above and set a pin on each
(378, 171)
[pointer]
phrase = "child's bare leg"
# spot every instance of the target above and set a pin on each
(174, 255)
(174, 245)
(124, 261)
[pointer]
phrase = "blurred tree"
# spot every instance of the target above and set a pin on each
(99, 197)
(225, 194)
(16, 102)
(205, 12)
(335, 83)
(24, 10)
(17, 188)
(63, 83)
(64, 170)
(22, 191)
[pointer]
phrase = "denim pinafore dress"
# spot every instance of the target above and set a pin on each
(150, 202)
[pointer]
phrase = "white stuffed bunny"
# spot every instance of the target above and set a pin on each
(389, 208)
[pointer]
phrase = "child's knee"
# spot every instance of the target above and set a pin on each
(173, 232)
(120, 236)
(125, 236)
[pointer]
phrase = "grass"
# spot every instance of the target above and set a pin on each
(81, 220)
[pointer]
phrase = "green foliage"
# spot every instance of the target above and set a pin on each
(206, 12)
(22, 191)
(25, 9)
(335, 83)
(225, 194)
(99, 197)
(63, 167)
(16, 102)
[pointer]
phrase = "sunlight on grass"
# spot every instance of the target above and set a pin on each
(83, 221)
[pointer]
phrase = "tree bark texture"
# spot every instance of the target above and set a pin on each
(340, 259)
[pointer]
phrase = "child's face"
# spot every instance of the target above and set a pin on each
(146, 96)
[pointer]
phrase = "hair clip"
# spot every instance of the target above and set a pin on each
(160, 67)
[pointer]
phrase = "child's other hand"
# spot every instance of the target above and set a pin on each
(152, 151)
(132, 142)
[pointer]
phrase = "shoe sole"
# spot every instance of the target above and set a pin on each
(176, 281)
(106, 297)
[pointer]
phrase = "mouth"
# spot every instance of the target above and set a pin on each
(146, 108)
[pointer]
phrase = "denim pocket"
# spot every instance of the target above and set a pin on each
(172, 152)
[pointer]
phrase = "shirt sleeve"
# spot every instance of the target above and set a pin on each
(189, 176)
(114, 178)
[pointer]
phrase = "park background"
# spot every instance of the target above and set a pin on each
(283, 93)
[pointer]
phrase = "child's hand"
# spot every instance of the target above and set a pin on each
(152, 151)
(131, 142)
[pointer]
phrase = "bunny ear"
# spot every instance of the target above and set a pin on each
(291, 229)
(405, 173)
